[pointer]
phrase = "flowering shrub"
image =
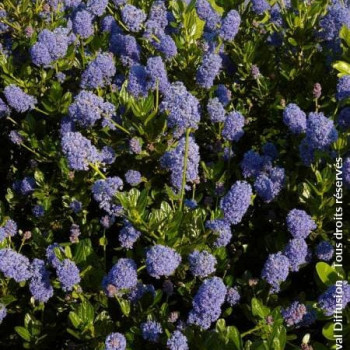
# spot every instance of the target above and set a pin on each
(168, 174)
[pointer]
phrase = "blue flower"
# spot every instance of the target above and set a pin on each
(260, 6)
(202, 263)
(123, 276)
(162, 261)
(222, 229)
(343, 119)
(126, 47)
(276, 270)
(3, 312)
(133, 17)
(223, 94)
(87, 108)
(300, 224)
(230, 25)
(97, 7)
(182, 108)
(328, 300)
(83, 24)
(40, 286)
(156, 74)
(296, 251)
(343, 86)
(207, 303)
(115, 341)
(79, 151)
(294, 314)
(68, 274)
(137, 81)
(232, 296)
(50, 46)
(294, 118)
(320, 131)
(209, 70)
(14, 265)
(19, 100)
(236, 202)
(105, 190)
(324, 251)
(38, 211)
(233, 127)
(76, 206)
(128, 235)
(177, 341)
(216, 110)
(4, 110)
(99, 72)
(151, 331)
(206, 13)
(268, 185)
(174, 161)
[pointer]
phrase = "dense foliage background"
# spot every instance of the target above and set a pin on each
(180, 135)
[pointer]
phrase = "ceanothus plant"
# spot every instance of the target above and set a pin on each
(168, 173)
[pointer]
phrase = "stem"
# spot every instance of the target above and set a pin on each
(30, 150)
(252, 330)
(22, 244)
(104, 249)
(185, 168)
(41, 111)
(119, 126)
(11, 120)
(98, 171)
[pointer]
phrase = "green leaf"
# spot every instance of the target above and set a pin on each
(234, 337)
(342, 67)
(75, 319)
(83, 251)
(328, 331)
(86, 312)
(124, 306)
(23, 332)
(345, 35)
(258, 308)
(327, 274)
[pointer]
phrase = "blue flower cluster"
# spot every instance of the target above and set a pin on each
(222, 230)
(162, 261)
(99, 72)
(87, 108)
(300, 224)
(40, 285)
(202, 264)
(14, 265)
(174, 161)
(128, 235)
(68, 274)
(324, 251)
(151, 331)
(177, 341)
(236, 202)
(294, 314)
(115, 341)
(276, 270)
(182, 108)
(328, 301)
(104, 192)
(51, 46)
(18, 99)
(207, 303)
(122, 276)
